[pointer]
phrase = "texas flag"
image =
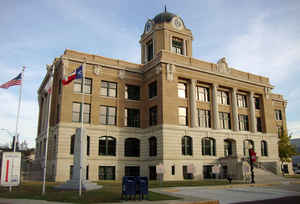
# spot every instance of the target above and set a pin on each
(77, 74)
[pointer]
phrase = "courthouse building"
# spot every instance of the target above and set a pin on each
(172, 109)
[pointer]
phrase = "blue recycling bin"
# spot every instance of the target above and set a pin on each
(128, 187)
(142, 186)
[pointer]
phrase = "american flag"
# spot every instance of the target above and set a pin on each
(15, 81)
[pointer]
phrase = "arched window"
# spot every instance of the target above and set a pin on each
(227, 148)
(248, 144)
(107, 146)
(72, 144)
(208, 146)
(152, 146)
(132, 147)
(264, 148)
(187, 145)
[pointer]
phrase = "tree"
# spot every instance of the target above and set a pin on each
(286, 150)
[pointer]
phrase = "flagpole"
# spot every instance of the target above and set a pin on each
(47, 134)
(18, 115)
(81, 135)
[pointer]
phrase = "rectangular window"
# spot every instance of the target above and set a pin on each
(132, 171)
(223, 97)
(186, 175)
(106, 173)
(258, 124)
(257, 102)
(108, 115)
(173, 170)
(152, 172)
(77, 87)
(224, 119)
(149, 47)
(204, 118)
(132, 92)
(177, 45)
(152, 89)
(71, 171)
(278, 115)
(88, 145)
(153, 116)
(76, 112)
(203, 94)
(280, 131)
(87, 173)
(132, 117)
(242, 100)
(182, 116)
(243, 122)
(108, 89)
(181, 90)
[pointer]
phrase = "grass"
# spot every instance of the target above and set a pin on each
(297, 176)
(111, 191)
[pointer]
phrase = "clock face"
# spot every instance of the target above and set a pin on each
(148, 26)
(177, 23)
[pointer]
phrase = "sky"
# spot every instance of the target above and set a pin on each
(260, 37)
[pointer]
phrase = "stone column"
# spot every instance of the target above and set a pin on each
(235, 110)
(193, 106)
(215, 106)
(252, 113)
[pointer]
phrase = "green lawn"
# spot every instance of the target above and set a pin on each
(111, 191)
(293, 176)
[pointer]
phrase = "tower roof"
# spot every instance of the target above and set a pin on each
(163, 17)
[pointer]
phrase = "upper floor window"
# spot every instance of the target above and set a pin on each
(149, 50)
(77, 88)
(257, 102)
(223, 97)
(242, 100)
(132, 117)
(204, 118)
(108, 115)
(264, 148)
(224, 119)
(278, 115)
(181, 90)
(107, 146)
(208, 146)
(152, 89)
(153, 116)
(132, 147)
(132, 92)
(108, 89)
(187, 145)
(76, 112)
(152, 146)
(258, 124)
(243, 122)
(203, 94)
(177, 45)
(182, 116)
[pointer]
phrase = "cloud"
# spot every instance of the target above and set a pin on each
(27, 121)
(266, 48)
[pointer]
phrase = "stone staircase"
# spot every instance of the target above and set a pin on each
(264, 176)
(33, 172)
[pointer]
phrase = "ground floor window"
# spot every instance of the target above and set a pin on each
(106, 173)
(152, 172)
(71, 171)
(207, 172)
(185, 173)
(132, 171)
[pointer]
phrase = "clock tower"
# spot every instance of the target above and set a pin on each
(166, 31)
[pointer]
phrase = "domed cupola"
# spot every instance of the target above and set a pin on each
(163, 17)
(166, 31)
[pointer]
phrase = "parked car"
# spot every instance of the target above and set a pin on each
(297, 171)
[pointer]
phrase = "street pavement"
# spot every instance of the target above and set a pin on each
(234, 193)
